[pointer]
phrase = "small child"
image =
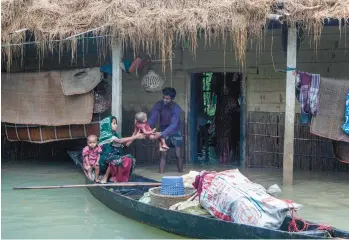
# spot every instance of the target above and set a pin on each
(142, 125)
(91, 154)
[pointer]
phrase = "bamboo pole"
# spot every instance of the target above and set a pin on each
(122, 184)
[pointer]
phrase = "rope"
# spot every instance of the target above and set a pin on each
(16, 131)
(85, 132)
(40, 134)
(7, 133)
(55, 132)
(30, 139)
(70, 135)
(293, 227)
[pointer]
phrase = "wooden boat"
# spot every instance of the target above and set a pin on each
(124, 200)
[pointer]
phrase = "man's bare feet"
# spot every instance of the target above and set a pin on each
(97, 180)
(163, 149)
(165, 146)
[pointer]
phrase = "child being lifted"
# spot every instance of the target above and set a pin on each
(142, 125)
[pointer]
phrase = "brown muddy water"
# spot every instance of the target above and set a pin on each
(75, 213)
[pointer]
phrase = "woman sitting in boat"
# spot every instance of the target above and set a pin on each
(117, 164)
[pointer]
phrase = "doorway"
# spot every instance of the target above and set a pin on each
(215, 118)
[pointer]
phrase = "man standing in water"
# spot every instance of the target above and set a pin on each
(170, 126)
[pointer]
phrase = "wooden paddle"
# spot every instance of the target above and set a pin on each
(121, 184)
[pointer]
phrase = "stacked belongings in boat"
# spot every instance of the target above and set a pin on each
(47, 106)
(230, 196)
(226, 195)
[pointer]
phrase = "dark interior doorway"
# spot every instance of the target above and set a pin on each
(215, 117)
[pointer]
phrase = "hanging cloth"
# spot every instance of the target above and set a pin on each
(304, 83)
(138, 64)
(345, 126)
(304, 100)
(307, 93)
(314, 94)
(107, 69)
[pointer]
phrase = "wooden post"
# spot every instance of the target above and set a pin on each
(116, 106)
(193, 120)
(243, 120)
(187, 124)
(290, 106)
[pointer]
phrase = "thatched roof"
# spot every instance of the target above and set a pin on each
(156, 24)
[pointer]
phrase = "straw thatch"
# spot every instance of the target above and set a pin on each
(154, 25)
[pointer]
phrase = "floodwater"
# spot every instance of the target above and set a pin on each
(324, 195)
(75, 213)
(60, 213)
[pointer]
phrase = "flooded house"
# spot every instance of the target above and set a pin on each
(246, 52)
(263, 86)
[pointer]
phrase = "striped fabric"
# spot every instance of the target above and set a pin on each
(307, 93)
(314, 94)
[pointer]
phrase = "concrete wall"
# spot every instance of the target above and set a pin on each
(266, 93)
(266, 102)
(265, 88)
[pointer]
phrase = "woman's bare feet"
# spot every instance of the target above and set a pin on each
(97, 180)
(104, 180)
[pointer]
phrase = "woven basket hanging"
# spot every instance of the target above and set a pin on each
(152, 82)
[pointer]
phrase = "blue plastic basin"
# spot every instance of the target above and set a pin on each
(172, 186)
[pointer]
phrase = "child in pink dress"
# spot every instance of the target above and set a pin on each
(141, 125)
(91, 154)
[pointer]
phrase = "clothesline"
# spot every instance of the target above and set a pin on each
(287, 70)
(295, 71)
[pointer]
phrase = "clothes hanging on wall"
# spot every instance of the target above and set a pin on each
(345, 126)
(314, 94)
(127, 66)
(107, 68)
(308, 95)
(329, 120)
